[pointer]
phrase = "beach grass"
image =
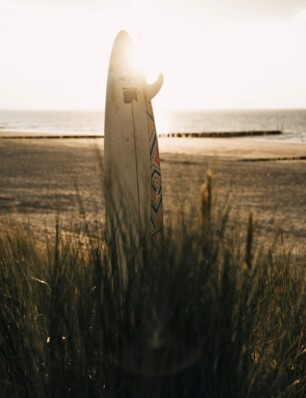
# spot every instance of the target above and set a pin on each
(203, 314)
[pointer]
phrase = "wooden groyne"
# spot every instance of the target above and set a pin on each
(223, 134)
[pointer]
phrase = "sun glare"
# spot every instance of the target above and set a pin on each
(148, 60)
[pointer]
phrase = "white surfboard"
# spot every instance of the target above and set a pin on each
(133, 189)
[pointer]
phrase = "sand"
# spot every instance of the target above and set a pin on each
(42, 178)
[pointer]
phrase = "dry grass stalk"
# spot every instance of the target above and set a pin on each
(249, 242)
(206, 198)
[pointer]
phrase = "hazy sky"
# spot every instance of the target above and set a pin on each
(214, 53)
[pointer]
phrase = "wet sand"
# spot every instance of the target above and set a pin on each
(42, 178)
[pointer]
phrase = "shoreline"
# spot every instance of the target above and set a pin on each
(231, 148)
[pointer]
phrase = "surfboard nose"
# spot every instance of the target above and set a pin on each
(122, 39)
(122, 49)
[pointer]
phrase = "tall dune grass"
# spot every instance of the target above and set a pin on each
(202, 316)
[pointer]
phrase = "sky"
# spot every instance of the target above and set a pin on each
(214, 54)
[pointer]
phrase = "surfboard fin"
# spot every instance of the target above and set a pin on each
(152, 89)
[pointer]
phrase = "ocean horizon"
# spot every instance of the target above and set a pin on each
(292, 122)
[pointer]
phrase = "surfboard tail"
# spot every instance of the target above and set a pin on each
(152, 89)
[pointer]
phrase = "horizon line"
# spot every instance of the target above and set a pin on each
(156, 107)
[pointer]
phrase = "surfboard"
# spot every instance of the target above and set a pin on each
(133, 188)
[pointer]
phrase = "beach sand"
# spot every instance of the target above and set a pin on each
(42, 178)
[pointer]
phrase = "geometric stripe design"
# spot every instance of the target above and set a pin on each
(156, 213)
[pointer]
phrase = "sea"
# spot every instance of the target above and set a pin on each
(292, 122)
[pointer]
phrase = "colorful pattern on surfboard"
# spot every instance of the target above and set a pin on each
(156, 213)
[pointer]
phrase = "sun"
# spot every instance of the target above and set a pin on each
(147, 58)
